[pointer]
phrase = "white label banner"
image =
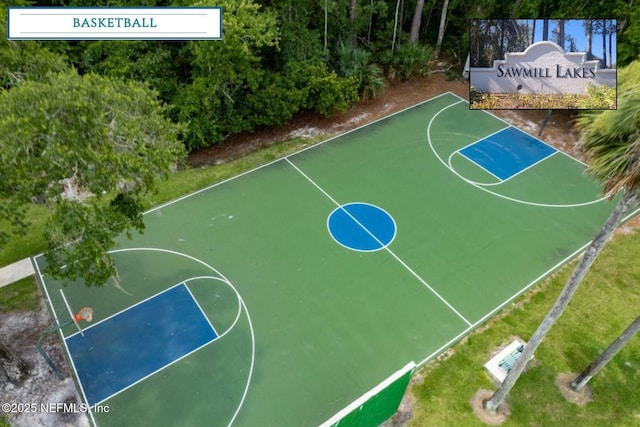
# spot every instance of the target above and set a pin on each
(115, 23)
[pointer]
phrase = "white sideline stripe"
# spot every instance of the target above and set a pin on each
(507, 301)
(65, 348)
(73, 317)
(293, 154)
(46, 291)
(368, 395)
(420, 279)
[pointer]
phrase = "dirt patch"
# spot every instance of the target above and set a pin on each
(477, 404)
(20, 333)
(584, 396)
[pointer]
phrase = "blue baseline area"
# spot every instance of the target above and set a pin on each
(508, 152)
(121, 350)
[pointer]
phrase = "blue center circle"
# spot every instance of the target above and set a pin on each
(361, 227)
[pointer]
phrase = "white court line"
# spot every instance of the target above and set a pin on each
(459, 151)
(532, 165)
(482, 138)
(483, 187)
(342, 208)
(491, 313)
(94, 324)
(420, 279)
(202, 311)
(500, 180)
(533, 136)
(46, 291)
(293, 154)
(221, 277)
(244, 307)
(65, 348)
(73, 317)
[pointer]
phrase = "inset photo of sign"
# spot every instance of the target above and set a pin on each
(542, 64)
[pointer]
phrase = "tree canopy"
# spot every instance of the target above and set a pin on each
(279, 57)
(90, 148)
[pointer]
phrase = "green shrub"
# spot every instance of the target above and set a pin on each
(600, 97)
(407, 60)
(355, 62)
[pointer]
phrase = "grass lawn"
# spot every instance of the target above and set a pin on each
(604, 305)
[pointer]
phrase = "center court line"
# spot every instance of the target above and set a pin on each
(420, 279)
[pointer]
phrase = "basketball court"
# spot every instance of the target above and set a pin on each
(280, 296)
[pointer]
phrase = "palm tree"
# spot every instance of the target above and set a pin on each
(604, 358)
(611, 144)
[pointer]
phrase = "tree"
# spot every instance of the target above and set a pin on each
(612, 148)
(90, 148)
(601, 361)
(561, 36)
(395, 25)
(588, 30)
(443, 21)
(226, 72)
(24, 59)
(415, 22)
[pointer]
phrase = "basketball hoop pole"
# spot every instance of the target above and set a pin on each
(544, 123)
(53, 328)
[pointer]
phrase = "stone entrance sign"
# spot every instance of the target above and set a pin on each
(543, 68)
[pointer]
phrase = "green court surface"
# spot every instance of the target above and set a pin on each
(305, 324)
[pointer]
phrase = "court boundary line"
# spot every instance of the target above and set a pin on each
(483, 187)
(397, 258)
(491, 313)
(317, 144)
(73, 316)
(64, 346)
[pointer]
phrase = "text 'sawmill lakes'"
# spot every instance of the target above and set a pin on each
(540, 72)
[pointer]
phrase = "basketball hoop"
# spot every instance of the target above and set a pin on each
(85, 313)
